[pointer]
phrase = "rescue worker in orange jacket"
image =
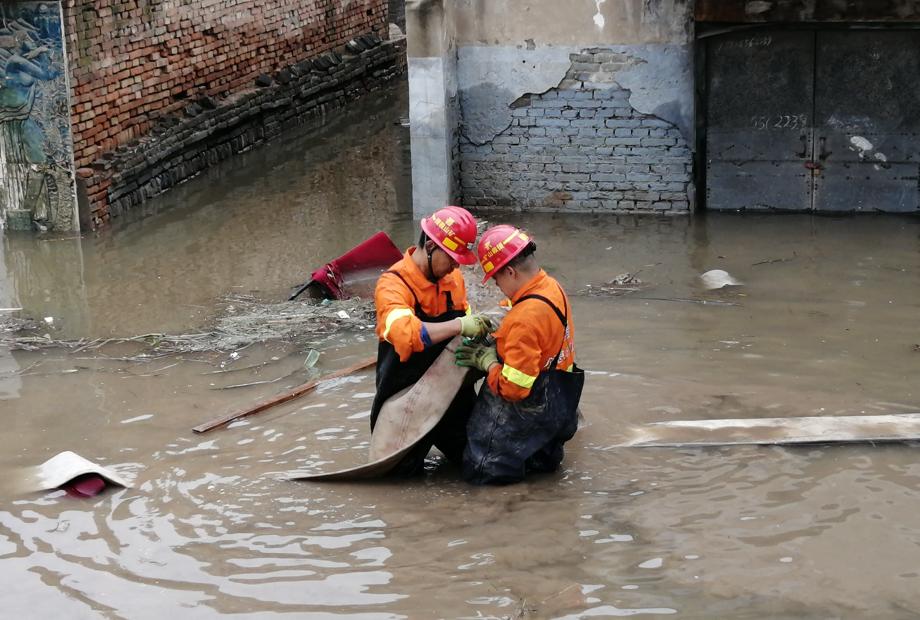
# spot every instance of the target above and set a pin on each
(421, 304)
(527, 408)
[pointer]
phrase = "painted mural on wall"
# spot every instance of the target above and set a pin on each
(36, 169)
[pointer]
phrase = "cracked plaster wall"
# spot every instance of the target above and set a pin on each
(517, 54)
(581, 145)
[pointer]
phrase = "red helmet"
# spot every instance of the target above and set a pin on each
(453, 229)
(498, 246)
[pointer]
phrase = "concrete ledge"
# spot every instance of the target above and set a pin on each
(19, 219)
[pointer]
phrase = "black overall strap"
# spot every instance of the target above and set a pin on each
(418, 306)
(394, 375)
(562, 317)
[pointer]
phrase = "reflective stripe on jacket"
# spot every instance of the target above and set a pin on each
(397, 322)
(529, 339)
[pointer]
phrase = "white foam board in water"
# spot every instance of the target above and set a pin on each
(778, 431)
(64, 467)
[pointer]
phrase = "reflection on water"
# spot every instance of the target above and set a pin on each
(825, 325)
(258, 223)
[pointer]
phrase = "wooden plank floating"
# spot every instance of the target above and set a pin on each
(283, 398)
(778, 431)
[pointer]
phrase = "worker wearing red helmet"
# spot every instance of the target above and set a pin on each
(527, 408)
(421, 304)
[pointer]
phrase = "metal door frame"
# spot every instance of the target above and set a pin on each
(705, 31)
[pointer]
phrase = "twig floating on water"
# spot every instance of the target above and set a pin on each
(704, 302)
(771, 261)
(241, 385)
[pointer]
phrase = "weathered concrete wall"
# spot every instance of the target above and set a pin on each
(36, 165)
(433, 104)
(141, 64)
(582, 105)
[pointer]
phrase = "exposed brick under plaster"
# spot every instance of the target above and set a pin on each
(581, 147)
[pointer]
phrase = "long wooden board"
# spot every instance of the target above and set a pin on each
(777, 431)
(283, 398)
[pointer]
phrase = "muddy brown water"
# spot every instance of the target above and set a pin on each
(824, 325)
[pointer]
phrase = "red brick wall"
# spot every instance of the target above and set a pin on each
(133, 61)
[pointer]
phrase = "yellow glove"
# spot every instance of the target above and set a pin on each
(476, 356)
(476, 325)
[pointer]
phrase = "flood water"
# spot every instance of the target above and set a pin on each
(825, 324)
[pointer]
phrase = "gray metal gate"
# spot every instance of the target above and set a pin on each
(813, 120)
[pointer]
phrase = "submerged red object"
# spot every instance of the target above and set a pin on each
(87, 485)
(373, 255)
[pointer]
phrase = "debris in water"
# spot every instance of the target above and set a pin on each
(312, 358)
(625, 279)
(76, 474)
(245, 321)
(717, 278)
(250, 384)
(620, 285)
(774, 260)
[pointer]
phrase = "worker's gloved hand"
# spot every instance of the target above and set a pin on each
(476, 326)
(476, 356)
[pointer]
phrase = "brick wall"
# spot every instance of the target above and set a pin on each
(135, 63)
(581, 146)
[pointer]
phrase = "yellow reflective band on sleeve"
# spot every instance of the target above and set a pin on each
(517, 377)
(469, 310)
(394, 316)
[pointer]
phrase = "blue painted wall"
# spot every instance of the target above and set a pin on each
(36, 169)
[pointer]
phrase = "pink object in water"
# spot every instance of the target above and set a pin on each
(88, 485)
(376, 253)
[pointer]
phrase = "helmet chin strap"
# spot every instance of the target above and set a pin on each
(431, 277)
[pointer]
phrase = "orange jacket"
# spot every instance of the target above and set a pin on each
(530, 337)
(396, 320)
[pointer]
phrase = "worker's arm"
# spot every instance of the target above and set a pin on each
(513, 377)
(398, 325)
(396, 320)
(439, 332)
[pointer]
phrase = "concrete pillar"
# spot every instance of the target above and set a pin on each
(433, 104)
